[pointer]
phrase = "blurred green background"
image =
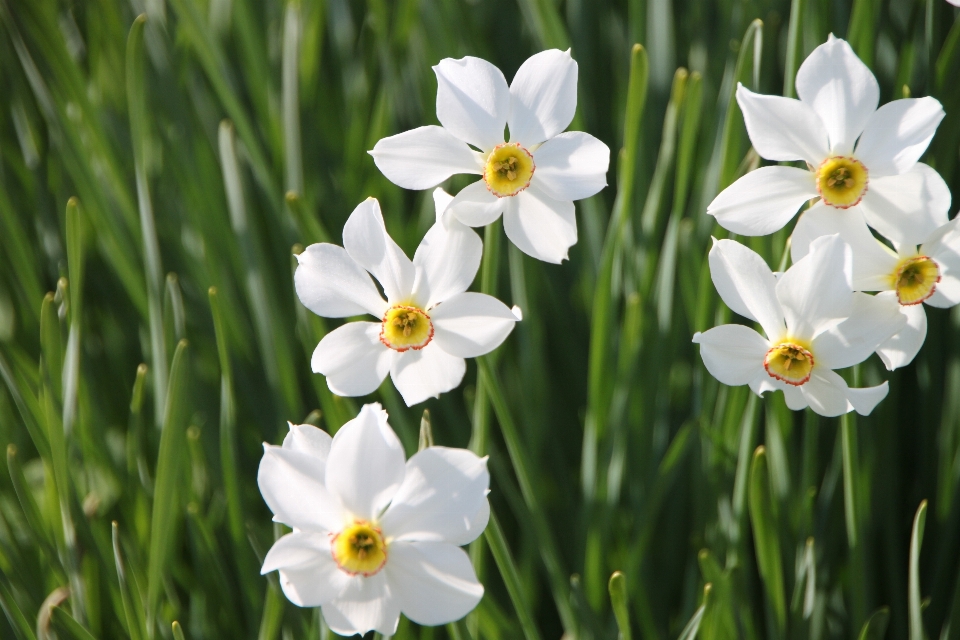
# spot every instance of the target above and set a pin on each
(208, 142)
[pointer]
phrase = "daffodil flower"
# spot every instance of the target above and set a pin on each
(374, 535)
(533, 177)
(427, 325)
(906, 277)
(861, 160)
(813, 323)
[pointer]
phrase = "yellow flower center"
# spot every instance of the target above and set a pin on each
(915, 279)
(841, 181)
(406, 327)
(789, 362)
(508, 170)
(359, 549)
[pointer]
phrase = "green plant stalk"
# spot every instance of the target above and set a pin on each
(167, 492)
(914, 607)
(518, 457)
(493, 534)
(70, 375)
(139, 135)
(132, 606)
(620, 604)
(766, 538)
(794, 48)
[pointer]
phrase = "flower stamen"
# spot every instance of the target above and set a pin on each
(915, 279)
(508, 170)
(842, 181)
(789, 362)
(359, 549)
(405, 327)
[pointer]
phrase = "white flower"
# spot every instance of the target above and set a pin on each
(905, 278)
(862, 160)
(429, 322)
(813, 322)
(955, 3)
(532, 178)
(374, 536)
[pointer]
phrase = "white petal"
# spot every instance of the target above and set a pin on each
(441, 200)
(366, 239)
(897, 135)
(353, 359)
(424, 157)
(746, 285)
(471, 324)
(872, 320)
(902, 348)
(443, 492)
(866, 398)
(540, 226)
(309, 576)
(944, 247)
(473, 100)
(292, 485)
(543, 97)
(872, 261)
(426, 373)
(434, 582)
(783, 129)
(764, 200)
(732, 353)
(308, 439)
(366, 464)
(449, 256)
(826, 393)
(366, 604)
(331, 284)
(794, 398)
(841, 89)
(571, 166)
(909, 207)
(815, 293)
(475, 206)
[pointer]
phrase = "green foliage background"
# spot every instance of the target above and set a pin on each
(205, 141)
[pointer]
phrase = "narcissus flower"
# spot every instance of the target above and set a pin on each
(533, 177)
(861, 161)
(373, 535)
(905, 278)
(427, 325)
(812, 321)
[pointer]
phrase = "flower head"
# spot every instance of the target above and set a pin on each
(427, 325)
(861, 160)
(533, 177)
(812, 321)
(373, 535)
(907, 278)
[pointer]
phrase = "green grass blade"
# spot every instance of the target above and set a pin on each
(765, 537)
(177, 631)
(794, 48)
(875, 628)
(914, 607)
(132, 609)
(167, 499)
(620, 604)
(511, 577)
(68, 626)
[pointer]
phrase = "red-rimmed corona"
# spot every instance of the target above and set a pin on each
(842, 181)
(789, 362)
(508, 170)
(406, 327)
(915, 279)
(359, 549)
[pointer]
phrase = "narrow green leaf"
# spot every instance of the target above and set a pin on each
(139, 135)
(68, 626)
(29, 505)
(731, 141)
(174, 314)
(177, 631)
(290, 86)
(620, 604)
(132, 609)
(794, 48)
(914, 607)
(765, 538)
(511, 577)
(426, 432)
(21, 625)
(167, 499)
(851, 474)
(875, 628)
(51, 344)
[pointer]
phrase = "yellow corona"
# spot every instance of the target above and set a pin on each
(406, 327)
(915, 279)
(789, 362)
(841, 181)
(508, 169)
(359, 549)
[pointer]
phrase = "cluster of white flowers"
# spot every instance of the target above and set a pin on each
(862, 172)
(374, 537)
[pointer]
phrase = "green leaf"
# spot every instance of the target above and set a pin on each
(875, 628)
(168, 489)
(132, 606)
(914, 607)
(765, 538)
(68, 626)
(511, 577)
(177, 631)
(619, 602)
(426, 432)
